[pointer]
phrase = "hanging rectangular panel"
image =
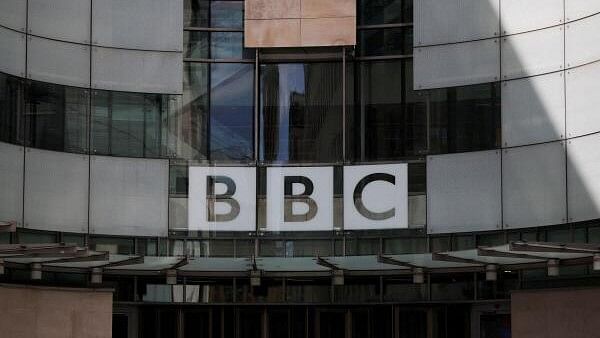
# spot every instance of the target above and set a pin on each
(137, 71)
(299, 199)
(581, 41)
(582, 102)
(464, 192)
(222, 199)
(58, 62)
(138, 24)
(583, 170)
(66, 20)
(56, 191)
(534, 186)
(178, 213)
(448, 21)
(533, 109)
(577, 9)
(11, 181)
(13, 14)
(12, 52)
(533, 53)
(457, 64)
(376, 196)
(519, 16)
(129, 196)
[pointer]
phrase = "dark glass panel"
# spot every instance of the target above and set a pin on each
(12, 100)
(405, 245)
(231, 111)
(195, 13)
(195, 44)
(36, 237)
(279, 323)
(120, 325)
(250, 323)
(178, 180)
(357, 290)
(388, 124)
(196, 323)
(128, 124)
(412, 323)
(311, 248)
(375, 12)
(388, 41)
(464, 118)
(208, 291)
(332, 324)
(301, 111)
(57, 117)
(227, 14)
(304, 290)
(188, 124)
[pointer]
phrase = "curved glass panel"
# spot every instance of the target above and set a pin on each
(128, 124)
(301, 112)
(56, 117)
(12, 91)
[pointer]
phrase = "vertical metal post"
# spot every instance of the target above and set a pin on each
(344, 104)
(256, 106)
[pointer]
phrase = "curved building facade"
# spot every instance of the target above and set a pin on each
(302, 168)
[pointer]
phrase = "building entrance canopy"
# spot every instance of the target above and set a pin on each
(513, 256)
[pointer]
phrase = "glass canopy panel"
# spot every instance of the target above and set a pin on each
(427, 261)
(289, 264)
(217, 264)
(151, 263)
(362, 263)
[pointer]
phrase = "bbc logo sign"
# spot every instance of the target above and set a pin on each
(298, 198)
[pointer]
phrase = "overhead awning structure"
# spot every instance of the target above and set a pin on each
(513, 256)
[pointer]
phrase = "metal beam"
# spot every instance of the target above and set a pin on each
(555, 247)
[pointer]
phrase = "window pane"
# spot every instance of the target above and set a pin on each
(11, 108)
(389, 41)
(195, 13)
(373, 12)
(227, 14)
(465, 118)
(128, 124)
(195, 44)
(301, 111)
(56, 117)
(387, 124)
(228, 45)
(231, 112)
(187, 124)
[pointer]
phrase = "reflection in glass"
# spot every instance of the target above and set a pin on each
(11, 108)
(301, 112)
(231, 111)
(215, 45)
(128, 124)
(389, 41)
(227, 14)
(195, 44)
(465, 118)
(228, 45)
(389, 122)
(195, 13)
(375, 12)
(187, 125)
(56, 117)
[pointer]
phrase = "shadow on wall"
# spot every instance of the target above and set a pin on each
(548, 168)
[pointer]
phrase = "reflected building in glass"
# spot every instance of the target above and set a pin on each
(108, 106)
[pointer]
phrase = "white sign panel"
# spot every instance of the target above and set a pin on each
(222, 199)
(376, 196)
(300, 199)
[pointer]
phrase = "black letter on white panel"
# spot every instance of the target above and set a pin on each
(358, 203)
(226, 197)
(290, 199)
